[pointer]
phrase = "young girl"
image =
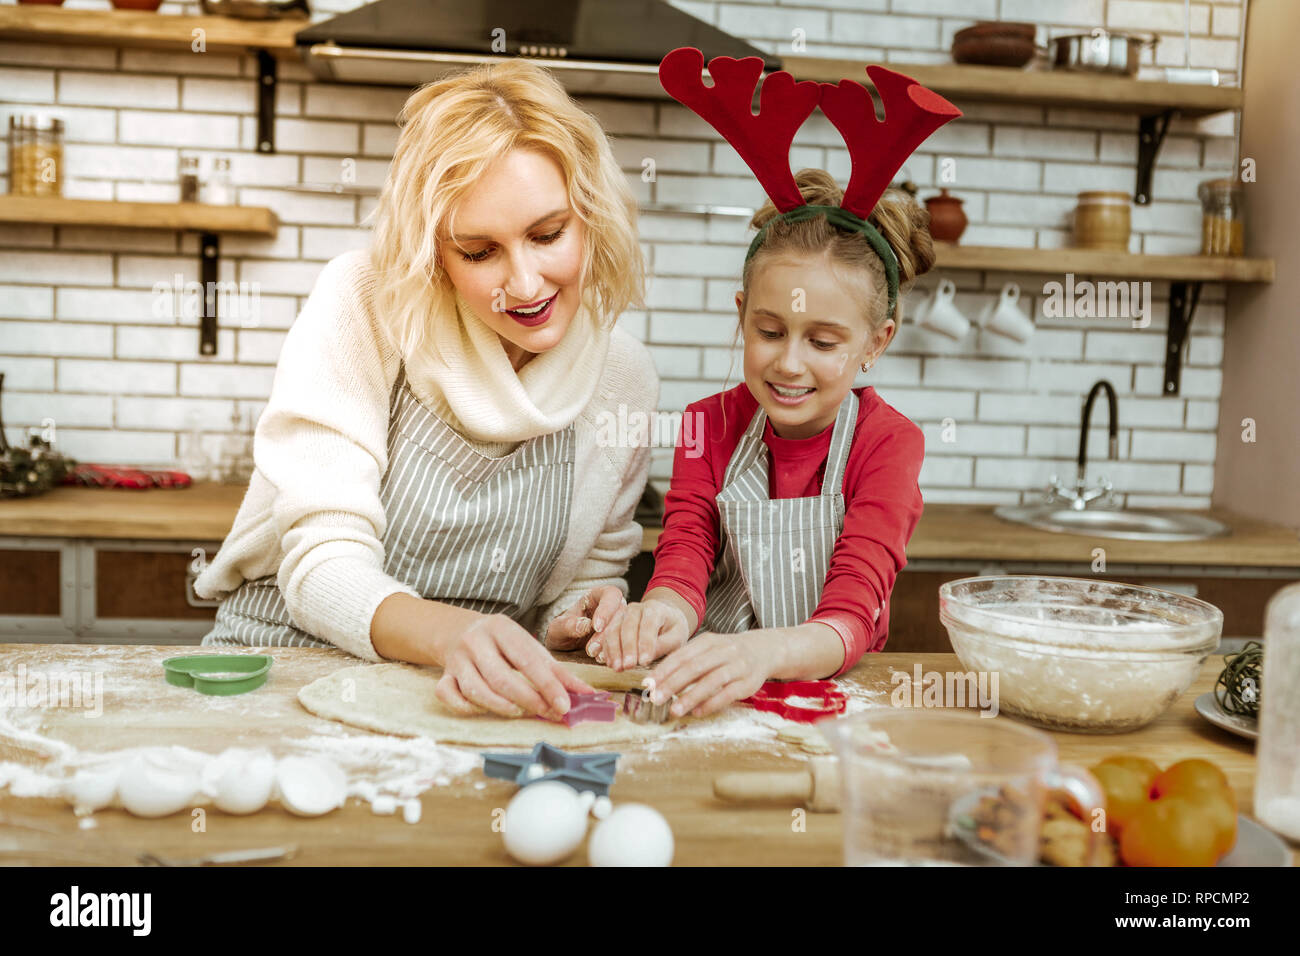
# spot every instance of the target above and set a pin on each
(784, 538)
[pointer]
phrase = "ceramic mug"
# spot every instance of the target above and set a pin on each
(940, 314)
(1004, 317)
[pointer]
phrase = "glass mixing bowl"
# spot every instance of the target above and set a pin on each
(1077, 654)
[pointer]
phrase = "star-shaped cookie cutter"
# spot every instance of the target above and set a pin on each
(593, 772)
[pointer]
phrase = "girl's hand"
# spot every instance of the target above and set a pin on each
(640, 634)
(495, 665)
(712, 671)
(594, 612)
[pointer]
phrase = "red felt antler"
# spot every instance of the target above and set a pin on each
(763, 141)
(878, 148)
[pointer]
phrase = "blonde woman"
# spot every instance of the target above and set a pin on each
(429, 485)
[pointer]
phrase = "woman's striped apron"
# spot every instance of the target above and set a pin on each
(775, 554)
(481, 533)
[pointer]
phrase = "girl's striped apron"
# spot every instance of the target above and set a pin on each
(775, 554)
(481, 533)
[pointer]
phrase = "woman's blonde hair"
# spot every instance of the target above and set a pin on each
(903, 222)
(451, 130)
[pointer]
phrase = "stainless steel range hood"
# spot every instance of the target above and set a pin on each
(599, 47)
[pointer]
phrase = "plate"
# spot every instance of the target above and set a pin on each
(1255, 846)
(1209, 708)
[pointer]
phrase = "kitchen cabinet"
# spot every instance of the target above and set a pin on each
(102, 591)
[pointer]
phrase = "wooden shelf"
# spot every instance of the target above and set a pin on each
(1036, 87)
(197, 217)
(1126, 265)
(132, 28)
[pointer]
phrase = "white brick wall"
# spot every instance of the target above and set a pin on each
(79, 340)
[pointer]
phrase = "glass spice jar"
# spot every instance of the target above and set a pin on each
(1222, 230)
(35, 155)
(189, 179)
(219, 191)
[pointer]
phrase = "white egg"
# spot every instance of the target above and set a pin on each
(544, 823)
(384, 805)
(240, 781)
(91, 790)
(310, 786)
(152, 785)
(632, 835)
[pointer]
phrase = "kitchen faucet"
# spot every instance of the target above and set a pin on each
(1080, 495)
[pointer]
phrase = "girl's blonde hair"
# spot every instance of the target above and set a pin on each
(451, 130)
(902, 221)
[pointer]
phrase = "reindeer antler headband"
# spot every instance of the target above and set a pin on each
(877, 148)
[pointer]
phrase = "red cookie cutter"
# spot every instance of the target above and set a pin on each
(775, 695)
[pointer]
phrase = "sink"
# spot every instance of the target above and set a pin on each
(1135, 524)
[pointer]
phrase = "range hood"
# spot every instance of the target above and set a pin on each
(599, 47)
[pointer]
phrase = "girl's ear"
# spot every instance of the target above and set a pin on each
(740, 305)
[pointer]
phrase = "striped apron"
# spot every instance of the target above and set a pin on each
(775, 554)
(481, 533)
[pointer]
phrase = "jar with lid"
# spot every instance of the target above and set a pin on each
(219, 191)
(35, 155)
(189, 178)
(1277, 754)
(1222, 229)
(1102, 220)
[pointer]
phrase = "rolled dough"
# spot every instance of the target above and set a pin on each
(400, 699)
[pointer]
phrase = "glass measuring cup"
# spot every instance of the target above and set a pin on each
(936, 788)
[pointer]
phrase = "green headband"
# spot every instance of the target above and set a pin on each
(843, 219)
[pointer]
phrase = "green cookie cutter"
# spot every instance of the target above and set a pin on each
(218, 674)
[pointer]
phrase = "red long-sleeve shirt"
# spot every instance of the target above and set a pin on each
(881, 496)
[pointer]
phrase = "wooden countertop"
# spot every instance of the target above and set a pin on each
(674, 777)
(206, 511)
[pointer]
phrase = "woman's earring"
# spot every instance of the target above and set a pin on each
(866, 366)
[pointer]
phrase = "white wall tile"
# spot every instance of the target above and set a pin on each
(116, 377)
(1174, 446)
(26, 302)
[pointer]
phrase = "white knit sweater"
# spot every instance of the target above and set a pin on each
(312, 514)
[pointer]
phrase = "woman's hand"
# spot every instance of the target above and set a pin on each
(712, 671)
(495, 665)
(590, 615)
(640, 634)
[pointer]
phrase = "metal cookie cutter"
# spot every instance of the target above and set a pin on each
(642, 710)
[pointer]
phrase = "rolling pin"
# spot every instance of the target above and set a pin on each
(817, 787)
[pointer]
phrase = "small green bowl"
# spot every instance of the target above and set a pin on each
(218, 674)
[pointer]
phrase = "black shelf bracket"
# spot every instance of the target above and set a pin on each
(266, 73)
(1151, 135)
(209, 259)
(1183, 297)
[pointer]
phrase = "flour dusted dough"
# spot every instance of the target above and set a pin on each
(400, 699)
